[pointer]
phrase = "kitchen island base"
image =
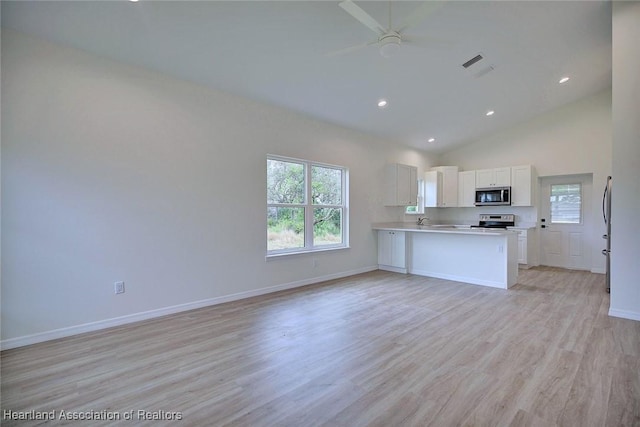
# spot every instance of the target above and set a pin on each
(488, 260)
(480, 257)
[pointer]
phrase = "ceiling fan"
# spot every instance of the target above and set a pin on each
(389, 39)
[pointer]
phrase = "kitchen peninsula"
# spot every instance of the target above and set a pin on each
(479, 256)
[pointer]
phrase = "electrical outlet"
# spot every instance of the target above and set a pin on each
(118, 287)
(500, 249)
(315, 262)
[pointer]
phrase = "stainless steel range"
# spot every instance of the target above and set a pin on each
(495, 221)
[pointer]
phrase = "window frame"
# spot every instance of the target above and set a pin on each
(308, 206)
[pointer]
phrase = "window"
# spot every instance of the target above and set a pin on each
(306, 206)
(566, 203)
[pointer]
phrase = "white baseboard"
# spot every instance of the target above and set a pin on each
(471, 280)
(136, 317)
(599, 270)
(624, 314)
(392, 269)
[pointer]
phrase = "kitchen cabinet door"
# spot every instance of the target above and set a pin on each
(497, 177)
(527, 248)
(523, 185)
(441, 187)
(433, 189)
(392, 250)
(466, 189)
(522, 250)
(502, 177)
(449, 198)
(401, 186)
(485, 178)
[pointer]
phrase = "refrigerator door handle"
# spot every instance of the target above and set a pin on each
(604, 196)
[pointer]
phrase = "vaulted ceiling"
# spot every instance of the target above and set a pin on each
(283, 53)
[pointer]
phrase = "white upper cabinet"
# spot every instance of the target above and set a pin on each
(498, 177)
(432, 189)
(449, 185)
(466, 189)
(401, 185)
(441, 187)
(524, 182)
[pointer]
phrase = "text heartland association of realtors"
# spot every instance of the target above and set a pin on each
(133, 415)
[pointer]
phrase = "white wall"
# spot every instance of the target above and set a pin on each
(573, 139)
(625, 227)
(112, 172)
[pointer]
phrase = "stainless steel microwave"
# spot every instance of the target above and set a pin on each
(493, 196)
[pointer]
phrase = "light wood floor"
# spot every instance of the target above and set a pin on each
(377, 349)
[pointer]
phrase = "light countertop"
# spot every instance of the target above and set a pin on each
(438, 228)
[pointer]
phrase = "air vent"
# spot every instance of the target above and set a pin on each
(472, 61)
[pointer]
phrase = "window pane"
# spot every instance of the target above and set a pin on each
(285, 228)
(327, 226)
(285, 182)
(326, 186)
(566, 203)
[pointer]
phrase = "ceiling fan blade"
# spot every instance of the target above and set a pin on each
(351, 49)
(362, 16)
(418, 15)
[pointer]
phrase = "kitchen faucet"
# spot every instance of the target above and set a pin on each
(422, 219)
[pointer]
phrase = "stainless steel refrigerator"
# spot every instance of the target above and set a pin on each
(606, 213)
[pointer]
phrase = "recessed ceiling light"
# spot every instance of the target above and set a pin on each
(564, 80)
(382, 103)
(490, 113)
(133, 1)
(431, 140)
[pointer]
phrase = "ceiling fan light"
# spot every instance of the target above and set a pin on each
(389, 44)
(389, 49)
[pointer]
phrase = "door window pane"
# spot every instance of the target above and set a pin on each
(566, 203)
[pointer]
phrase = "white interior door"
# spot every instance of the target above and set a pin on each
(565, 217)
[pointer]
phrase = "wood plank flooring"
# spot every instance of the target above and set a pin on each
(377, 349)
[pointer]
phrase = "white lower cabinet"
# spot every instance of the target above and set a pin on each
(527, 247)
(522, 247)
(392, 251)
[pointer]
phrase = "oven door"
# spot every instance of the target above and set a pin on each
(493, 196)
